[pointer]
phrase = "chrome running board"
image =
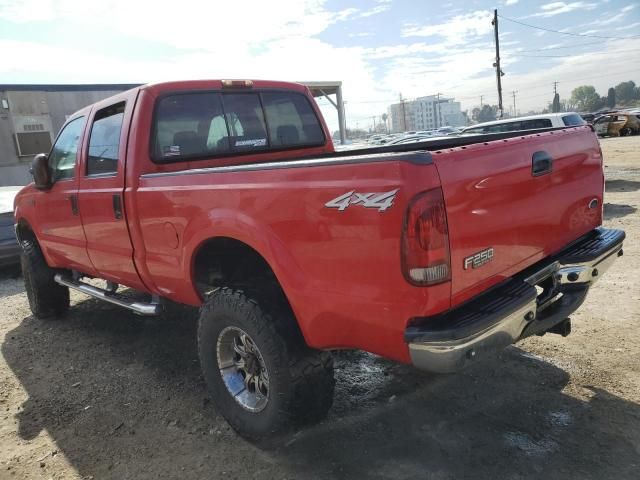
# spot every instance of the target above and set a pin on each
(140, 308)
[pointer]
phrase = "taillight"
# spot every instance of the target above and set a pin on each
(426, 259)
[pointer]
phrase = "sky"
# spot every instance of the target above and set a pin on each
(379, 49)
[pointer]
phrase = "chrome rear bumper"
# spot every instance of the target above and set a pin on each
(515, 310)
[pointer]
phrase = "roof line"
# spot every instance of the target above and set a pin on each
(67, 87)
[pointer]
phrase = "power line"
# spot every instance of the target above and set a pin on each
(485, 95)
(574, 55)
(566, 33)
(562, 47)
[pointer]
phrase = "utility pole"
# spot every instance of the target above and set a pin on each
(481, 97)
(374, 123)
(513, 92)
(437, 109)
(555, 89)
(499, 72)
(404, 114)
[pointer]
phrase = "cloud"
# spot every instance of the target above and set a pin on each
(628, 8)
(457, 30)
(510, 2)
(630, 26)
(556, 8)
(383, 6)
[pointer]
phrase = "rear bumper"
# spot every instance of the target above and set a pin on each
(531, 303)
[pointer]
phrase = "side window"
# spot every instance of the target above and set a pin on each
(104, 142)
(62, 159)
(189, 125)
(501, 127)
(573, 120)
(245, 121)
(536, 123)
(292, 121)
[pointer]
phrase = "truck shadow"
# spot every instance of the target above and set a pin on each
(618, 185)
(122, 397)
(614, 210)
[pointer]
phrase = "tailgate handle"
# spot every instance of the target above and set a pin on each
(541, 163)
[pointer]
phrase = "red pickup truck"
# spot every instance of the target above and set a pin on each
(228, 195)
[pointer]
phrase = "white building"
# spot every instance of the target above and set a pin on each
(425, 113)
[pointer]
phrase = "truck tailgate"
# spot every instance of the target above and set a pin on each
(495, 199)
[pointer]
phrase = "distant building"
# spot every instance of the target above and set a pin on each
(32, 115)
(425, 113)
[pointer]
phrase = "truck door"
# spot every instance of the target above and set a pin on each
(101, 191)
(60, 229)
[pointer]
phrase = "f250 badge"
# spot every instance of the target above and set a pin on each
(381, 201)
(478, 259)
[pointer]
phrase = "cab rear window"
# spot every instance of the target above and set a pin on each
(196, 125)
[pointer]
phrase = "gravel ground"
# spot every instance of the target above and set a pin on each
(105, 394)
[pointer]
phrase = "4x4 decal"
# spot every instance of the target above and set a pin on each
(381, 201)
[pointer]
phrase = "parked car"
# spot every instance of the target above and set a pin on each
(228, 195)
(9, 248)
(533, 122)
(409, 139)
(588, 117)
(617, 124)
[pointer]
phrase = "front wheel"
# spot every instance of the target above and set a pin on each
(262, 378)
(47, 299)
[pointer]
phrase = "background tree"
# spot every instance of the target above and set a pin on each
(611, 97)
(555, 106)
(585, 98)
(485, 114)
(626, 92)
(384, 119)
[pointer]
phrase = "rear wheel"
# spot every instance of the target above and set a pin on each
(262, 378)
(626, 132)
(47, 299)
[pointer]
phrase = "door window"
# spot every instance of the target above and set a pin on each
(62, 159)
(104, 142)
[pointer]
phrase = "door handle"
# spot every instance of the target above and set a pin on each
(541, 164)
(117, 206)
(73, 199)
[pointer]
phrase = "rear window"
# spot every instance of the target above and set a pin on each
(207, 124)
(573, 120)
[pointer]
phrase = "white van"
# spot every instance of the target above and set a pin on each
(533, 122)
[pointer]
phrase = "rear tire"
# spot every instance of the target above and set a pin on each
(47, 299)
(278, 381)
(625, 132)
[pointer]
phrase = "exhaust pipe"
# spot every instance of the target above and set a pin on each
(563, 328)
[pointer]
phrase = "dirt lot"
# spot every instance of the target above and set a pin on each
(104, 394)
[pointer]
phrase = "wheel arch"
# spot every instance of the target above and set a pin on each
(251, 258)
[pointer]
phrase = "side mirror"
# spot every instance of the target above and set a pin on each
(40, 171)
